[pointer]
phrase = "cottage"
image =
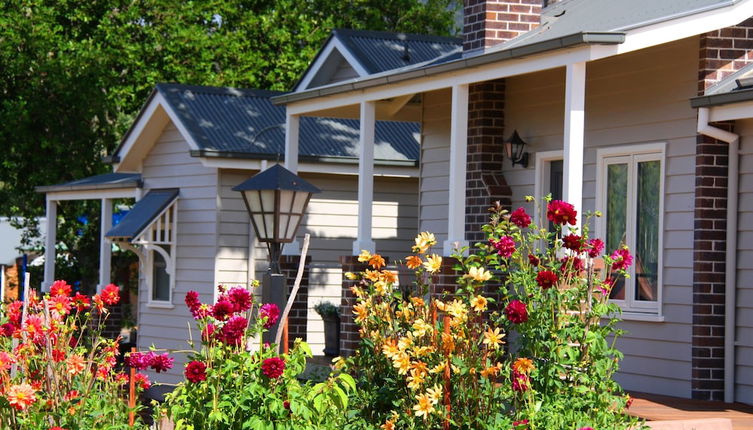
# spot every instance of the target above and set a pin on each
(601, 92)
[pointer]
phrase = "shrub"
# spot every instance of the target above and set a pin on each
(525, 339)
(56, 371)
(327, 309)
(228, 386)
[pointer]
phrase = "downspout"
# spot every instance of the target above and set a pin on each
(730, 279)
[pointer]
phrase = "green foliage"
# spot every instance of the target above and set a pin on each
(327, 309)
(236, 391)
(73, 74)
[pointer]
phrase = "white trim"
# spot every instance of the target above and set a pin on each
(160, 305)
(105, 246)
(732, 111)
(635, 316)
(50, 241)
(334, 45)
(574, 137)
(321, 167)
(632, 154)
(119, 193)
(542, 177)
(292, 132)
(2, 283)
(458, 160)
(366, 138)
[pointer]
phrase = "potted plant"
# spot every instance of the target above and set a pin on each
(331, 316)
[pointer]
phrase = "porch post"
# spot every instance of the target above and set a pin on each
(49, 244)
(292, 133)
(105, 246)
(458, 160)
(575, 102)
(365, 178)
(292, 126)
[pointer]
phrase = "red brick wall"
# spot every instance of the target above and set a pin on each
(489, 22)
(484, 182)
(298, 317)
(722, 52)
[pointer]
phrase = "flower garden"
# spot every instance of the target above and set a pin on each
(524, 338)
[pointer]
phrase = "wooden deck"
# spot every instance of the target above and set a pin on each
(661, 408)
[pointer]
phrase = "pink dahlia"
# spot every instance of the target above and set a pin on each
(505, 246)
(595, 247)
(241, 299)
(233, 330)
(622, 259)
(270, 311)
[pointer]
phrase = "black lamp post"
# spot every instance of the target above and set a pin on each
(514, 149)
(276, 200)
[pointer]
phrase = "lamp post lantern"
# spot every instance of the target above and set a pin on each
(276, 200)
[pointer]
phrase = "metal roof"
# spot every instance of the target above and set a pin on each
(564, 24)
(379, 51)
(277, 178)
(732, 89)
(143, 213)
(99, 182)
(574, 16)
(236, 123)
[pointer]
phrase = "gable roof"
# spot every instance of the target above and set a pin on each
(370, 52)
(242, 123)
(627, 25)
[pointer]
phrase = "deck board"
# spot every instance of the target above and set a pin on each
(654, 407)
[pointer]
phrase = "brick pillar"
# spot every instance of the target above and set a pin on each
(298, 317)
(722, 52)
(489, 22)
(484, 182)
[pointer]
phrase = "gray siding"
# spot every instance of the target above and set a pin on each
(169, 165)
(331, 221)
(435, 163)
(635, 98)
(744, 335)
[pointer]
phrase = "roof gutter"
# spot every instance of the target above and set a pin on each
(306, 158)
(722, 99)
(730, 280)
(583, 38)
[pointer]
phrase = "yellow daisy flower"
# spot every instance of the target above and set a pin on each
(433, 263)
(478, 274)
(479, 303)
(424, 407)
(493, 338)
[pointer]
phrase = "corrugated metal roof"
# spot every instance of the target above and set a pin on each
(379, 51)
(99, 182)
(237, 122)
(143, 213)
(574, 16)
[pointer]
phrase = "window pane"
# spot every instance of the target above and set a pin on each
(617, 185)
(647, 231)
(160, 278)
(555, 184)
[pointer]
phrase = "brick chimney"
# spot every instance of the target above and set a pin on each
(489, 22)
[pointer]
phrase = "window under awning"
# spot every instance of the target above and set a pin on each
(150, 225)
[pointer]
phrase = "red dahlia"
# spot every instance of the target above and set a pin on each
(573, 242)
(520, 218)
(560, 212)
(534, 260)
(622, 259)
(222, 309)
(546, 279)
(273, 367)
(233, 330)
(60, 288)
(111, 294)
(241, 299)
(516, 312)
(272, 312)
(505, 246)
(196, 371)
(595, 247)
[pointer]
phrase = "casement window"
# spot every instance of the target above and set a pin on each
(630, 194)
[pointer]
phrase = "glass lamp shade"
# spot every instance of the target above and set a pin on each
(276, 200)
(276, 214)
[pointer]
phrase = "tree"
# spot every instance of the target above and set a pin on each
(73, 74)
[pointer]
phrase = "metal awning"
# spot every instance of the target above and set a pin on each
(143, 214)
(100, 182)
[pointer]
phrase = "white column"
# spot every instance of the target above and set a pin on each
(458, 160)
(292, 134)
(49, 244)
(575, 103)
(2, 283)
(292, 128)
(105, 246)
(365, 179)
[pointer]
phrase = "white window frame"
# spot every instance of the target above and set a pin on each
(543, 160)
(632, 154)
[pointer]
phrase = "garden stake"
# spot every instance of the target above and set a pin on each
(447, 375)
(132, 393)
(296, 286)
(285, 341)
